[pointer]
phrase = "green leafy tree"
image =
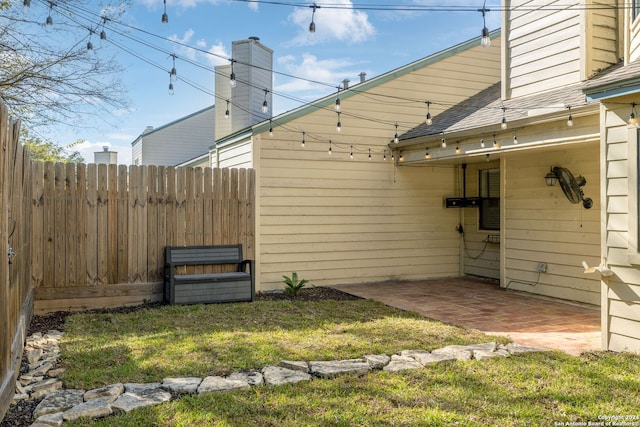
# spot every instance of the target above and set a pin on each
(46, 150)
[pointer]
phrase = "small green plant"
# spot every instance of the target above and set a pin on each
(292, 284)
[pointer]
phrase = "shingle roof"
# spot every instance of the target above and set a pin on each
(486, 109)
(617, 76)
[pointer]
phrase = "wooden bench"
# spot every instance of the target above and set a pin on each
(238, 285)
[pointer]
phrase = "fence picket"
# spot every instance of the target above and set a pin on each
(112, 227)
(71, 230)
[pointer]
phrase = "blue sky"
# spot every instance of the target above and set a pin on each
(346, 43)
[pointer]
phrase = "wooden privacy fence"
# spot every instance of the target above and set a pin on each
(78, 236)
(99, 230)
(16, 288)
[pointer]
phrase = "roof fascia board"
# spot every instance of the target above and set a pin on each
(613, 90)
(243, 135)
(495, 127)
(195, 160)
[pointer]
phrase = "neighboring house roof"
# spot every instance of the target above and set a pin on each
(484, 111)
(182, 119)
(356, 89)
(617, 80)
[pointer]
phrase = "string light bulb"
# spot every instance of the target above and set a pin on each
(633, 117)
(384, 155)
(495, 143)
(457, 148)
(302, 143)
(482, 142)
(165, 17)
(337, 107)
(401, 158)
(570, 118)
(339, 124)
(49, 20)
(428, 119)
(103, 35)
(503, 123)
(369, 153)
(265, 104)
(351, 152)
(330, 147)
(270, 129)
(89, 46)
(427, 156)
(226, 112)
(173, 73)
(312, 25)
(232, 76)
(170, 88)
(485, 41)
(443, 142)
(515, 138)
(395, 137)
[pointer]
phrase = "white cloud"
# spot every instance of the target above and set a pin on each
(218, 55)
(309, 67)
(184, 51)
(347, 25)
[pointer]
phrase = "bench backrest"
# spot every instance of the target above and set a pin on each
(201, 255)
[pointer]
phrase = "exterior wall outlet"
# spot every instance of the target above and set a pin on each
(542, 267)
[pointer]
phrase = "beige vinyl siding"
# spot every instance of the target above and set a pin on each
(542, 226)
(603, 37)
(634, 40)
(235, 155)
(543, 47)
(481, 256)
(334, 219)
(621, 301)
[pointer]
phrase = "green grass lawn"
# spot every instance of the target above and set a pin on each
(532, 389)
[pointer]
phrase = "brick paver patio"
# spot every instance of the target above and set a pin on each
(478, 304)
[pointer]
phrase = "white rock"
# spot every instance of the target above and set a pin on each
(295, 365)
(376, 361)
(214, 383)
(129, 401)
(110, 390)
(275, 375)
(59, 401)
(333, 368)
(181, 385)
(54, 420)
(94, 408)
(401, 363)
(252, 378)
(45, 387)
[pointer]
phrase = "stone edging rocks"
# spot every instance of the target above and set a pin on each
(59, 404)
